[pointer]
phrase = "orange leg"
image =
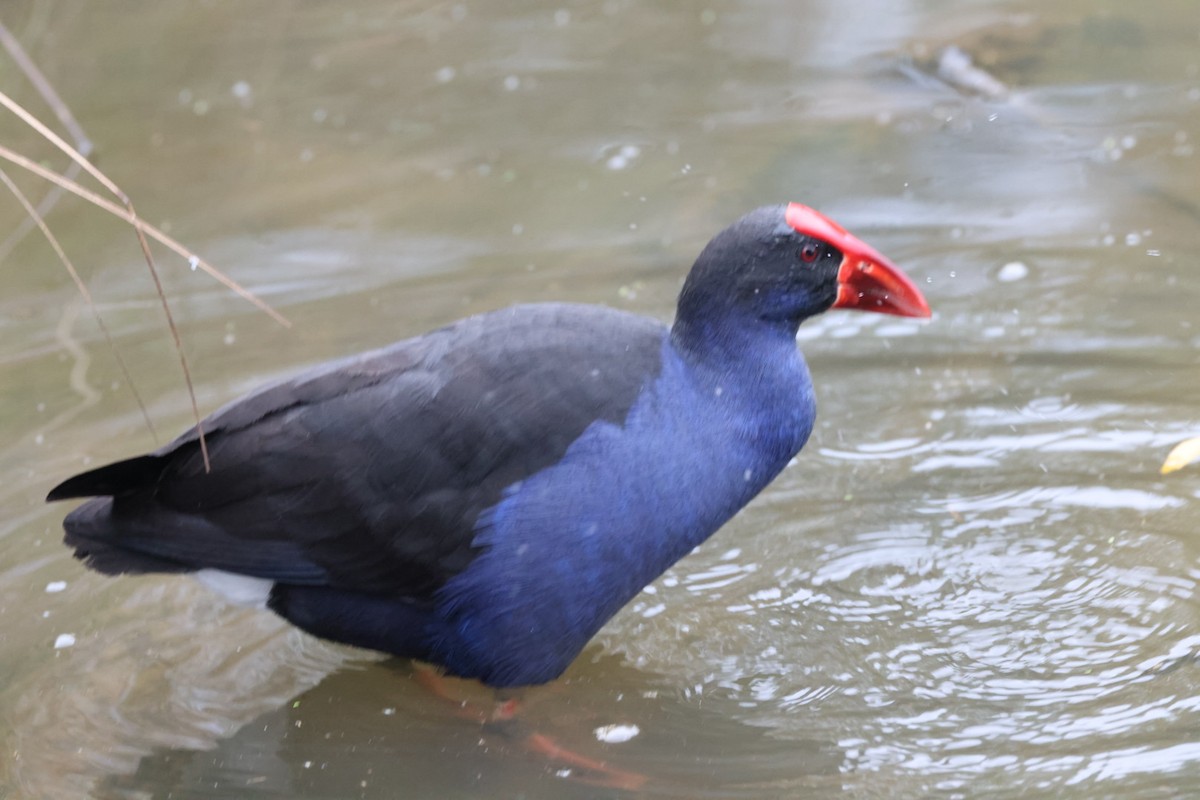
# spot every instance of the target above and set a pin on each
(604, 775)
(501, 717)
(437, 685)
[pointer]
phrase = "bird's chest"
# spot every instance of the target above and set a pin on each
(759, 415)
(769, 431)
(567, 547)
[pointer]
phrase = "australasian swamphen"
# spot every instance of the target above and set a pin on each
(486, 496)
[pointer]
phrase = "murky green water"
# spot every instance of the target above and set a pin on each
(973, 582)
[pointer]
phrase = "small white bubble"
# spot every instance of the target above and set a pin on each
(200, 108)
(64, 640)
(518, 229)
(512, 83)
(54, 587)
(445, 74)
(1133, 239)
(194, 262)
(319, 115)
(1128, 142)
(388, 712)
(623, 157)
(1012, 271)
(230, 338)
(185, 97)
(616, 734)
(243, 93)
(39, 439)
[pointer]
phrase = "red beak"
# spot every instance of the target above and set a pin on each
(867, 281)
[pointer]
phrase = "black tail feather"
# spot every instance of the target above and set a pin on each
(89, 531)
(120, 478)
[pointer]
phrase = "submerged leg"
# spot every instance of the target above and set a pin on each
(502, 717)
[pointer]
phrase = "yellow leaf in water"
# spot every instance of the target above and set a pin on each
(1184, 453)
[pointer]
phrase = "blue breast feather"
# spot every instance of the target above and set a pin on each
(565, 549)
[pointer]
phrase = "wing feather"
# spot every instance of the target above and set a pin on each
(370, 473)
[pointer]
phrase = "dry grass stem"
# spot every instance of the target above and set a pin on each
(126, 213)
(82, 143)
(83, 290)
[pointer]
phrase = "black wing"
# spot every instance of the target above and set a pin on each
(369, 473)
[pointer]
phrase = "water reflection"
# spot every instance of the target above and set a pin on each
(341, 737)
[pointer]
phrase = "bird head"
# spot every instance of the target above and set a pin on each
(783, 264)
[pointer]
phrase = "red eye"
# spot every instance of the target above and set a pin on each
(809, 252)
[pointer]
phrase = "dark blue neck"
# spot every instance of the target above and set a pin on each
(729, 336)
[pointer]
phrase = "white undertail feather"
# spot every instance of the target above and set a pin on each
(242, 590)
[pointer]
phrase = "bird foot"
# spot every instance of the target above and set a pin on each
(598, 772)
(502, 718)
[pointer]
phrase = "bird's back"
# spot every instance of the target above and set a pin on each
(369, 473)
